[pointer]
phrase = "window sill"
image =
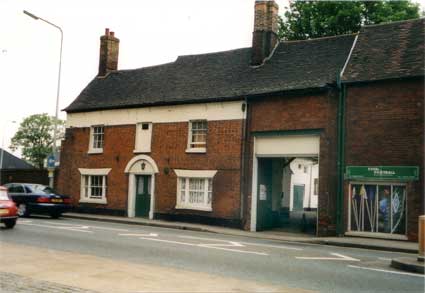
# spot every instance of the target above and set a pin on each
(95, 151)
(141, 151)
(97, 201)
(205, 209)
(196, 150)
(377, 235)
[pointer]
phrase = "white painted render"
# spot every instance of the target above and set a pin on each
(287, 146)
(300, 176)
(195, 173)
(160, 114)
(143, 138)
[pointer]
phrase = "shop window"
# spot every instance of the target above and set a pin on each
(379, 208)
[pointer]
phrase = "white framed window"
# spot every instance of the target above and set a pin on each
(143, 137)
(197, 138)
(94, 185)
(96, 139)
(195, 189)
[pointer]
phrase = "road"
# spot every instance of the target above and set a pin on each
(109, 257)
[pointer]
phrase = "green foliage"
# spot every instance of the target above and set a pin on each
(313, 19)
(35, 137)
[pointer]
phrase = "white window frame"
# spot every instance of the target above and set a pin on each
(203, 145)
(92, 149)
(85, 198)
(186, 176)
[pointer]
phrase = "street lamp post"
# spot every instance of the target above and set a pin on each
(55, 132)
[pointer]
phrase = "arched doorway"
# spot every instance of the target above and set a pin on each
(141, 186)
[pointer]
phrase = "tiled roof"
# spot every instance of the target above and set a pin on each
(386, 51)
(219, 76)
(12, 162)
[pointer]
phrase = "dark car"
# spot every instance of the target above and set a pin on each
(37, 198)
(8, 211)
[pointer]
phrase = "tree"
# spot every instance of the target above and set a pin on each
(35, 137)
(313, 19)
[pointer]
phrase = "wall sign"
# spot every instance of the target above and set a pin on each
(399, 173)
(263, 192)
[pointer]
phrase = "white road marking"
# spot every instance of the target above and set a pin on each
(245, 243)
(139, 235)
(384, 258)
(77, 229)
(339, 257)
(87, 227)
(387, 271)
(203, 245)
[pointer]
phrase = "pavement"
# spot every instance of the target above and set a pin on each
(346, 241)
(13, 283)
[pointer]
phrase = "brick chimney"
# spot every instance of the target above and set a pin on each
(108, 57)
(264, 37)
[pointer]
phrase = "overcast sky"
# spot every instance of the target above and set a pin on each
(150, 32)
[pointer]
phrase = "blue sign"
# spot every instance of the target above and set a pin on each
(51, 161)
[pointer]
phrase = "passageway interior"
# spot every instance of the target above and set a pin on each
(287, 194)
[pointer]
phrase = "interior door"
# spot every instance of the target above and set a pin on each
(143, 197)
(264, 195)
(298, 198)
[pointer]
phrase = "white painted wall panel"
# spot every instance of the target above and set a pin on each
(160, 114)
(294, 145)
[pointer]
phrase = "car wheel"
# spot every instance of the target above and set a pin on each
(55, 215)
(22, 210)
(10, 223)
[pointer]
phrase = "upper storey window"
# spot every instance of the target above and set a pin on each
(197, 141)
(97, 139)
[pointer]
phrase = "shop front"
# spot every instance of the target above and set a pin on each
(377, 200)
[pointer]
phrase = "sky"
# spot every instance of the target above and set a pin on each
(150, 33)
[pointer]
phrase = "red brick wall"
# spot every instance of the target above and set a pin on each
(169, 143)
(301, 112)
(385, 126)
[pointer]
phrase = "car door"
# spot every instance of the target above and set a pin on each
(17, 193)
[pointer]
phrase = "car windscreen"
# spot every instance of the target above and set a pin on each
(3, 195)
(43, 189)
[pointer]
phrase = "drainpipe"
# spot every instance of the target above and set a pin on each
(340, 157)
(242, 167)
(342, 88)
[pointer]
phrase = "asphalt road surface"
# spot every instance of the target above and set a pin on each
(204, 258)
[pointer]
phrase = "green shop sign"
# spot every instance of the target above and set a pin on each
(403, 173)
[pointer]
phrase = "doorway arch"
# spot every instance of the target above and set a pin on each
(140, 165)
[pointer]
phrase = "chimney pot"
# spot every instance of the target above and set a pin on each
(108, 55)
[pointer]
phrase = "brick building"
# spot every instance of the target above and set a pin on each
(217, 138)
